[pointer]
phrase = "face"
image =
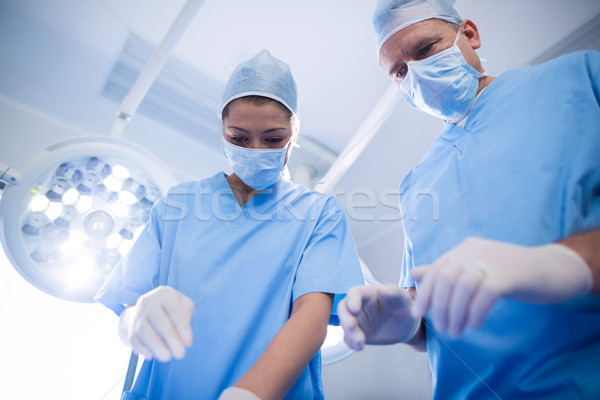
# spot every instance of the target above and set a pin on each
(257, 127)
(424, 39)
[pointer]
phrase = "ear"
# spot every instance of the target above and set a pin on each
(469, 29)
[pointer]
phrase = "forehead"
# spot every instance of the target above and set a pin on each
(403, 42)
(245, 109)
(253, 117)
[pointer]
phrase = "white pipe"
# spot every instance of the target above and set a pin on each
(360, 140)
(153, 67)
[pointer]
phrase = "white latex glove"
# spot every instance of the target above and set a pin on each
(236, 393)
(158, 325)
(462, 285)
(377, 314)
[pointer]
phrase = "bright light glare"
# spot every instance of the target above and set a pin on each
(120, 172)
(86, 262)
(112, 183)
(70, 248)
(54, 210)
(77, 236)
(82, 273)
(127, 198)
(138, 232)
(125, 246)
(335, 335)
(119, 209)
(39, 203)
(113, 241)
(70, 197)
(79, 218)
(84, 204)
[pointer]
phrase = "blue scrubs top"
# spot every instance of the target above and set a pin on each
(243, 267)
(525, 169)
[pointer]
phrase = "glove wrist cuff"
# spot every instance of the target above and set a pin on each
(577, 265)
(414, 330)
(237, 393)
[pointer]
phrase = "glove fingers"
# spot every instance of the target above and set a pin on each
(394, 294)
(400, 300)
(140, 347)
(184, 328)
(165, 329)
(444, 286)
(357, 297)
(483, 301)
(152, 340)
(180, 309)
(461, 298)
(426, 275)
(353, 335)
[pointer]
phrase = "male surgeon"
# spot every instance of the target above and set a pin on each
(502, 289)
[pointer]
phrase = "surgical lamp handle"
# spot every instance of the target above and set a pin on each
(8, 176)
(133, 360)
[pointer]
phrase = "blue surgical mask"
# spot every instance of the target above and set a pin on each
(443, 85)
(257, 168)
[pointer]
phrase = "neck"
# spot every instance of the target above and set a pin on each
(242, 192)
(483, 82)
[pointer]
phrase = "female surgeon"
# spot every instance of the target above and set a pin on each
(252, 260)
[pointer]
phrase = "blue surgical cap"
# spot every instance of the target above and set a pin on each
(262, 75)
(390, 16)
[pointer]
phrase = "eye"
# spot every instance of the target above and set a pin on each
(401, 73)
(238, 139)
(424, 51)
(274, 140)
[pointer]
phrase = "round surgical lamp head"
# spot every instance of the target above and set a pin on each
(334, 349)
(80, 205)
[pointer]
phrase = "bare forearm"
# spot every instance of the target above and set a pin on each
(276, 371)
(587, 245)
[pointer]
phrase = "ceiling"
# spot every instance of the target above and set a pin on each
(59, 56)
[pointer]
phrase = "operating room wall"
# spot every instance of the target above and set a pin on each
(56, 349)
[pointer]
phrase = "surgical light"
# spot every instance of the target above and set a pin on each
(334, 349)
(79, 207)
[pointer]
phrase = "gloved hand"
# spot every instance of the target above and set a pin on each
(377, 314)
(158, 325)
(462, 285)
(236, 393)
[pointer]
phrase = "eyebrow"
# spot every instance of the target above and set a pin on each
(420, 44)
(413, 51)
(272, 130)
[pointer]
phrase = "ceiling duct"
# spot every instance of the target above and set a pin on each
(181, 97)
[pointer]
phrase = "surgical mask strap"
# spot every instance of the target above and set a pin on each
(458, 48)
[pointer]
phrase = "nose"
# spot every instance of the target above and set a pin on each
(256, 143)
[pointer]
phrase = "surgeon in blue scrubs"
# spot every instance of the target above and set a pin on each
(507, 278)
(228, 291)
